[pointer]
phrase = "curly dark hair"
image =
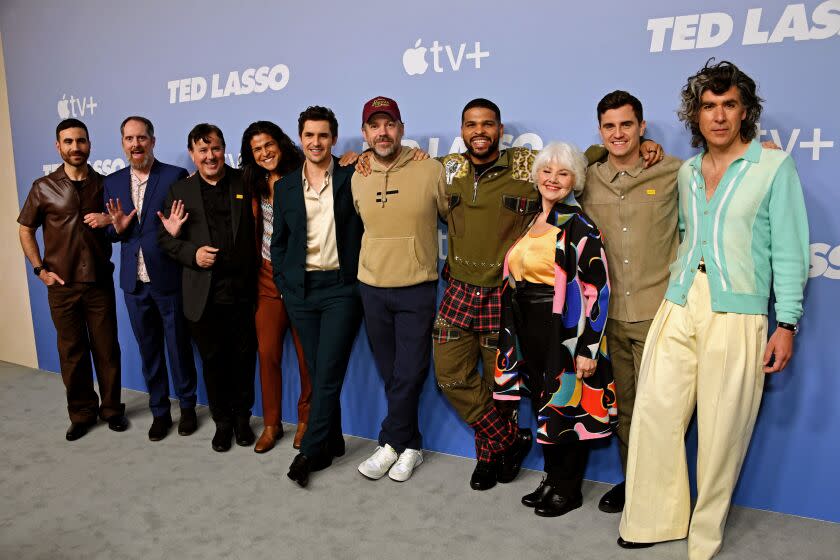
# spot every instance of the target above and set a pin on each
(253, 175)
(718, 78)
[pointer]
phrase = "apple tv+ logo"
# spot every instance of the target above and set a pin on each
(75, 106)
(415, 63)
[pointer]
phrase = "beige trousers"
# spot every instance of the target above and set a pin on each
(693, 356)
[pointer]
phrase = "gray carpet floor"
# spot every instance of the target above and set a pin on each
(119, 496)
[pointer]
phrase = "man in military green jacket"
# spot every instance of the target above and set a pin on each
(491, 201)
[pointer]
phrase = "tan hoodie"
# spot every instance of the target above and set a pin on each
(399, 206)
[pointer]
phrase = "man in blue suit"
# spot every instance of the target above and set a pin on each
(150, 280)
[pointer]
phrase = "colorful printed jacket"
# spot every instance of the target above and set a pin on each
(570, 408)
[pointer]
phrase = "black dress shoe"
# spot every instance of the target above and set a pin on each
(555, 505)
(188, 423)
(78, 429)
(160, 427)
(630, 544)
(222, 439)
(484, 476)
(613, 500)
(299, 470)
(534, 498)
(118, 423)
(512, 458)
(242, 429)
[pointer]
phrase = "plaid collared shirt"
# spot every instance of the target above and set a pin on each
(474, 308)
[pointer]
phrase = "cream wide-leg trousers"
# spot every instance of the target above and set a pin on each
(714, 360)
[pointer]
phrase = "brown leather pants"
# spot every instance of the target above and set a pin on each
(85, 319)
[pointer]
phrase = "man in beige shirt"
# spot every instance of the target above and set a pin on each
(636, 210)
(399, 203)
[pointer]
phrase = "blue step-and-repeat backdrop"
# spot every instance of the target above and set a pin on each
(545, 63)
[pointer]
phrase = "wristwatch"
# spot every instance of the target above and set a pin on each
(37, 270)
(794, 328)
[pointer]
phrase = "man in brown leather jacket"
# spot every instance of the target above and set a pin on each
(77, 271)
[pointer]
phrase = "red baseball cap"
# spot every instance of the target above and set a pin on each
(381, 105)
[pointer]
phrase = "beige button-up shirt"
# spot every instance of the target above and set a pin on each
(321, 248)
(636, 211)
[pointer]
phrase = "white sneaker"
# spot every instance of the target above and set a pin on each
(375, 466)
(405, 465)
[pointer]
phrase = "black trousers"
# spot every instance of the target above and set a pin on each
(564, 463)
(327, 320)
(227, 343)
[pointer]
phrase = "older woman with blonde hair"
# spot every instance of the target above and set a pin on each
(551, 346)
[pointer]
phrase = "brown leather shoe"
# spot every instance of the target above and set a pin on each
(301, 429)
(268, 438)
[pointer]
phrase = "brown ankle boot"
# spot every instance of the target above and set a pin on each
(268, 438)
(301, 429)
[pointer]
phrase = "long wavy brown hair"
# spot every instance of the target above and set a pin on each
(253, 175)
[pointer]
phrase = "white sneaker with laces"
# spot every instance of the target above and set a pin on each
(375, 466)
(405, 465)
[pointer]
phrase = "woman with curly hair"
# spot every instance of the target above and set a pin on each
(267, 153)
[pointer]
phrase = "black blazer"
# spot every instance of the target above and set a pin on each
(195, 233)
(288, 241)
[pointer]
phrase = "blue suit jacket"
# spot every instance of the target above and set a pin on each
(164, 273)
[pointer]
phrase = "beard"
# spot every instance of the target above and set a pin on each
(67, 157)
(492, 148)
(386, 153)
(144, 163)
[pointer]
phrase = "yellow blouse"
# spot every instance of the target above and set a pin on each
(532, 258)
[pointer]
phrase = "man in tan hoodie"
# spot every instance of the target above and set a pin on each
(399, 202)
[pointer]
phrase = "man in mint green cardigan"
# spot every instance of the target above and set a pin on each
(744, 230)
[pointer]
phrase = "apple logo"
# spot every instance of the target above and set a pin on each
(64, 107)
(414, 60)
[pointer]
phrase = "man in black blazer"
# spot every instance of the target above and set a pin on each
(151, 281)
(217, 249)
(315, 253)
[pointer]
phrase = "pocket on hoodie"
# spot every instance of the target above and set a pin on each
(390, 257)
